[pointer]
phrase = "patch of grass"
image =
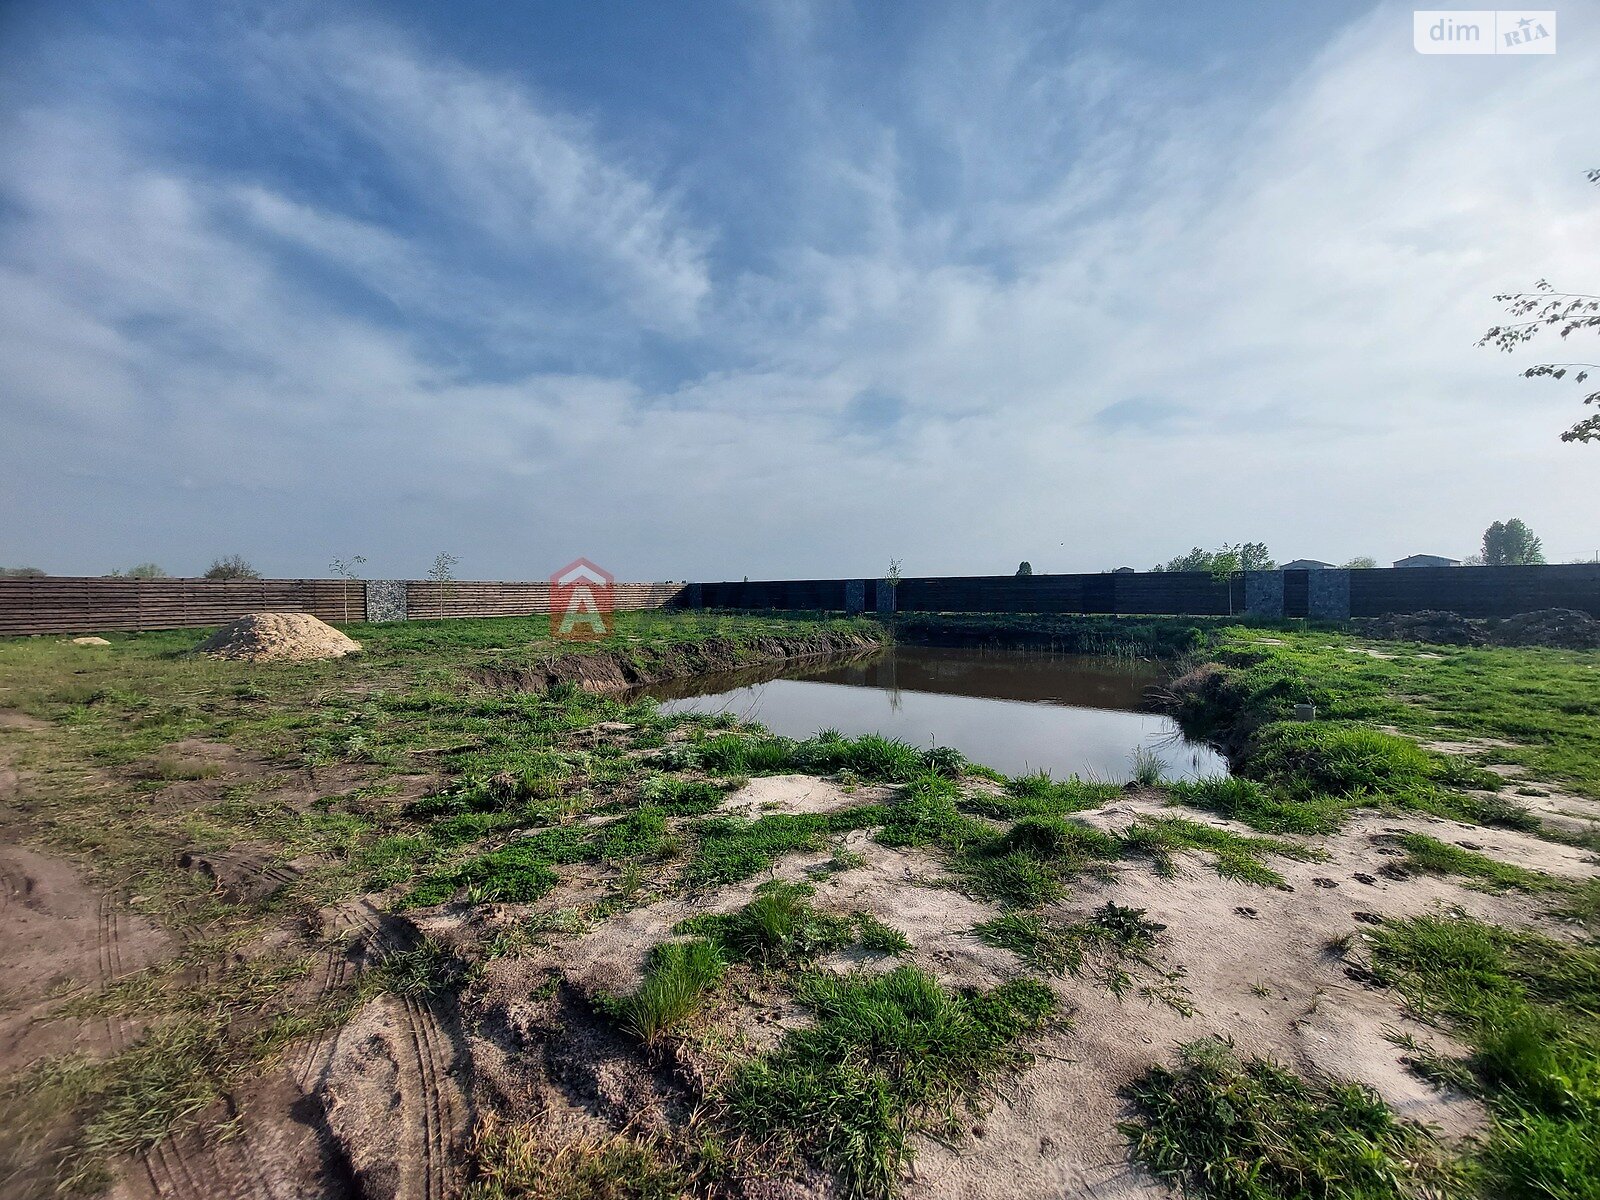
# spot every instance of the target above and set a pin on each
(518, 873)
(778, 928)
(1237, 856)
(1115, 945)
(734, 848)
(869, 756)
(888, 1056)
(1226, 1128)
(640, 834)
(429, 969)
(681, 797)
(676, 981)
(1038, 795)
(1530, 1008)
(518, 1163)
(1426, 855)
(1247, 801)
(874, 935)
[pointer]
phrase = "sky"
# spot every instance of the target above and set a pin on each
(778, 290)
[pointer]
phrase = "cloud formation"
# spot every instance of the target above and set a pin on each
(1021, 289)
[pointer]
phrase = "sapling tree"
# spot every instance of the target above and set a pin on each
(443, 573)
(1225, 563)
(1024, 567)
(346, 569)
(1545, 309)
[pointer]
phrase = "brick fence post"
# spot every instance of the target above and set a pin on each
(1328, 595)
(1263, 594)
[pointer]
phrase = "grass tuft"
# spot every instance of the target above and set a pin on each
(1225, 1128)
(888, 1056)
(676, 981)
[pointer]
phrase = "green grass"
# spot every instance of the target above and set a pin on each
(869, 757)
(1426, 855)
(888, 1056)
(1114, 946)
(1226, 1128)
(733, 848)
(677, 980)
(1529, 1006)
(779, 927)
(1542, 701)
(1235, 856)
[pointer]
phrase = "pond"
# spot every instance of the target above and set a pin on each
(1016, 711)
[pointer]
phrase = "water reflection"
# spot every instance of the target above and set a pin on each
(1013, 710)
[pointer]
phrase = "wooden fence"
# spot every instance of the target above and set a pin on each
(58, 605)
(96, 605)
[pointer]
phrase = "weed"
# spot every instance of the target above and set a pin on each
(734, 848)
(1230, 1129)
(1237, 856)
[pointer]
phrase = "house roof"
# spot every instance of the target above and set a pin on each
(1414, 560)
(1305, 564)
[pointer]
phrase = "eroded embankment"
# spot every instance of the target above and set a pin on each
(605, 671)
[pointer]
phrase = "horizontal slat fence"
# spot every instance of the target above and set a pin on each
(96, 605)
(61, 605)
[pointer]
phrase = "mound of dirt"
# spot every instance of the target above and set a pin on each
(278, 637)
(1440, 628)
(1563, 628)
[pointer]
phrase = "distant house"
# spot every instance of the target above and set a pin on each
(1427, 560)
(1124, 571)
(1306, 564)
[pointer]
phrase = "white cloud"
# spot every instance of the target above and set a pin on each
(1299, 287)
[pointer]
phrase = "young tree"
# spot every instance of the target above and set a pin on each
(346, 570)
(1361, 562)
(1511, 544)
(1024, 567)
(443, 573)
(1225, 563)
(233, 566)
(21, 573)
(144, 570)
(1542, 309)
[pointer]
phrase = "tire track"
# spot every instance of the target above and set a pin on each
(420, 1048)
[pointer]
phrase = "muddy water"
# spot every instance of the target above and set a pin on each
(1016, 711)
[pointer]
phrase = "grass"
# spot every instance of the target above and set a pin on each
(888, 1056)
(513, 1162)
(1529, 1006)
(677, 980)
(733, 848)
(1541, 701)
(1426, 855)
(1226, 1128)
(782, 928)
(1115, 946)
(1235, 856)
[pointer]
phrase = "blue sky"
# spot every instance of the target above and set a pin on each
(713, 290)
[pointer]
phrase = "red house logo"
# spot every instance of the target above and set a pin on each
(580, 602)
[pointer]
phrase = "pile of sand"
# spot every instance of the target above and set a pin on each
(278, 637)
